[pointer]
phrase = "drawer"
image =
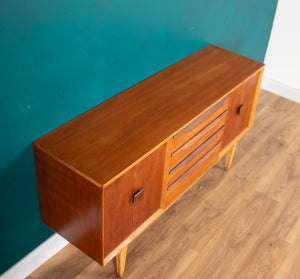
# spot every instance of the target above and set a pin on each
(197, 139)
(195, 155)
(192, 174)
(132, 199)
(197, 125)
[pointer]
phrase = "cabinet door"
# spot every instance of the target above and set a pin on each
(132, 199)
(239, 109)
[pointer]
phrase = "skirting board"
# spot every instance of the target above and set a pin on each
(281, 89)
(36, 258)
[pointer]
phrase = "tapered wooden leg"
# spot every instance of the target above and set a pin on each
(229, 157)
(120, 261)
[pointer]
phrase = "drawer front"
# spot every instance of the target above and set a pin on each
(195, 155)
(197, 125)
(198, 139)
(132, 199)
(192, 174)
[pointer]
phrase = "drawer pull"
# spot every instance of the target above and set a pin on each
(203, 132)
(138, 196)
(201, 118)
(195, 166)
(240, 108)
(197, 151)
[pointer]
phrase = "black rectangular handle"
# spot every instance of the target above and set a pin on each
(240, 109)
(138, 196)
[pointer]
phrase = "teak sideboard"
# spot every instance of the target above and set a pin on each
(105, 176)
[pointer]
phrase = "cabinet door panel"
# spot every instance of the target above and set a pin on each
(239, 109)
(132, 199)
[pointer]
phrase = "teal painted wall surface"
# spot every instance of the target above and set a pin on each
(60, 58)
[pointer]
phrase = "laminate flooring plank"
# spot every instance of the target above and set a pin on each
(265, 259)
(168, 263)
(294, 271)
(67, 263)
(290, 267)
(228, 246)
(240, 223)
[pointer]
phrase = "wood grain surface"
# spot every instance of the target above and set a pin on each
(105, 141)
(237, 119)
(243, 223)
(121, 215)
(70, 205)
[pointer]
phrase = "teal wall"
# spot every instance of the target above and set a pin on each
(60, 58)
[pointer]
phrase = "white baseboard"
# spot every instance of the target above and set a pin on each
(36, 258)
(281, 89)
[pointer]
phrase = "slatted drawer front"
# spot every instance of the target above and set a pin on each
(195, 155)
(192, 174)
(198, 139)
(199, 124)
(195, 149)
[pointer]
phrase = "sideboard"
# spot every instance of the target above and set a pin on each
(106, 175)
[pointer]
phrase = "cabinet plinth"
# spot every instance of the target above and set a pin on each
(106, 175)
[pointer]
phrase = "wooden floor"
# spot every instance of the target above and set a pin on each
(241, 223)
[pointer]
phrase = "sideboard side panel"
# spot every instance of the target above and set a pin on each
(70, 205)
(257, 91)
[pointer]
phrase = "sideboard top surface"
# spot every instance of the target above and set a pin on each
(106, 140)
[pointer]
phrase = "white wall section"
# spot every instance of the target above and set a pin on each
(282, 73)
